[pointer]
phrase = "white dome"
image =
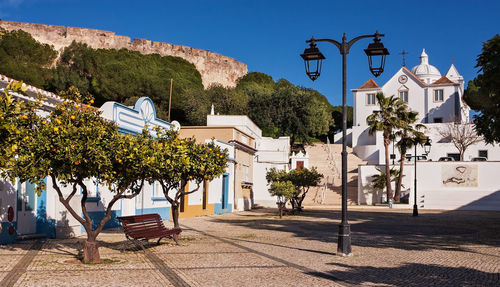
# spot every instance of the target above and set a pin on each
(425, 71)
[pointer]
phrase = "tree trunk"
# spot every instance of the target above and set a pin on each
(387, 168)
(175, 218)
(397, 193)
(91, 251)
(280, 209)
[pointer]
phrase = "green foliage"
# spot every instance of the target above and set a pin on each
(179, 161)
(386, 120)
(284, 190)
(13, 114)
(226, 101)
(483, 92)
(379, 180)
(74, 144)
(408, 134)
(278, 108)
(23, 58)
(284, 109)
(337, 119)
(302, 180)
(118, 75)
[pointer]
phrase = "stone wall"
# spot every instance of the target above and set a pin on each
(214, 68)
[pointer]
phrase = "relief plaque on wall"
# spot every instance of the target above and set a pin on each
(459, 175)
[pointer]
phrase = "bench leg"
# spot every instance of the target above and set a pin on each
(175, 239)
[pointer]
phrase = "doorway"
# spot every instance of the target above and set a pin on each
(26, 208)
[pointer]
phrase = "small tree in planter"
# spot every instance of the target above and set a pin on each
(75, 143)
(181, 161)
(302, 180)
(283, 190)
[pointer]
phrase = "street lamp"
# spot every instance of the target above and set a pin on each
(427, 149)
(313, 59)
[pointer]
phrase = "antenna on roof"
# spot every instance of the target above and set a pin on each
(404, 60)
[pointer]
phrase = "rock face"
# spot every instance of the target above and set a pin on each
(214, 68)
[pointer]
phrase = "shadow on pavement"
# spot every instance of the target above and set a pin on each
(379, 229)
(412, 274)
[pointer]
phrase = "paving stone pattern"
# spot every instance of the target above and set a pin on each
(256, 248)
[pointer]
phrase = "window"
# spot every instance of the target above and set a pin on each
(483, 153)
(438, 95)
(157, 190)
(403, 95)
(300, 165)
(438, 120)
(370, 99)
(246, 175)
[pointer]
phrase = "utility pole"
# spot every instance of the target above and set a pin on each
(170, 99)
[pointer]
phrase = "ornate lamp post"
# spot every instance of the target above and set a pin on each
(427, 150)
(313, 59)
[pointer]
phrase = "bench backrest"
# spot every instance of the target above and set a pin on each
(138, 225)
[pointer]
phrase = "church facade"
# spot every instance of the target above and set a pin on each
(437, 98)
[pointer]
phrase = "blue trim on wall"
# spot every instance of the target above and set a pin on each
(43, 226)
(5, 237)
(164, 212)
(219, 210)
(97, 216)
(158, 199)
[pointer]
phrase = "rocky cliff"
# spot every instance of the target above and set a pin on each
(214, 68)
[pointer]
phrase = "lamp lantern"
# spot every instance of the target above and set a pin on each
(313, 60)
(376, 53)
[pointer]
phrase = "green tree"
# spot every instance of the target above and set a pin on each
(14, 114)
(408, 134)
(74, 144)
(226, 101)
(379, 180)
(180, 161)
(386, 120)
(24, 58)
(302, 180)
(483, 92)
(284, 191)
(119, 75)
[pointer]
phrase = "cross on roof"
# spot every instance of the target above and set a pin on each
(404, 53)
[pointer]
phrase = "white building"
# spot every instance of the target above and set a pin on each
(437, 99)
(439, 102)
(269, 153)
(24, 214)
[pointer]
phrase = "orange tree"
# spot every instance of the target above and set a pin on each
(75, 143)
(180, 161)
(13, 115)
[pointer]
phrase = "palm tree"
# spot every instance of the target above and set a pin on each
(408, 135)
(386, 120)
(379, 180)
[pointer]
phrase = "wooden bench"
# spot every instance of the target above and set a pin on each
(143, 227)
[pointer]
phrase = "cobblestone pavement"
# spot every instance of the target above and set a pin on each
(256, 248)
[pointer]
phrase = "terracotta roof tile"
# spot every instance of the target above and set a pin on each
(443, 81)
(370, 84)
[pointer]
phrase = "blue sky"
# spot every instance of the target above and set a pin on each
(269, 35)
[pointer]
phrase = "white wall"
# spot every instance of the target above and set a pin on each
(483, 193)
(243, 123)
(271, 153)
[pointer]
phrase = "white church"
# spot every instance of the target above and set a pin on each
(438, 99)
